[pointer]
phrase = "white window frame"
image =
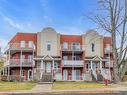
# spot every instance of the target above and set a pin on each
(65, 45)
(22, 44)
(75, 45)
(30, 58)
(30, 44)
(22, 58)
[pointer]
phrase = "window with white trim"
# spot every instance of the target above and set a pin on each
(22, 44)
(30, 44)
(65, 45)
(75, 45)
(30, 58)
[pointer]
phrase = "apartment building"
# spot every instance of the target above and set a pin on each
(48, 55)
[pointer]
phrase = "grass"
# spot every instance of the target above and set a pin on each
(76, 85)
(13, 86)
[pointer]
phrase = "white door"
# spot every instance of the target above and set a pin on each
(65, 74)
(30, 74)
(75, 74)
(78, 75)
(47, 67)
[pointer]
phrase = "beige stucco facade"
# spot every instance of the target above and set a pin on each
(93, 37)
(48, 35)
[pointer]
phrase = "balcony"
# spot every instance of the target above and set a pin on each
(72, 47)
(107, 64)
(19, 62)
(71, 63)
(20, 46)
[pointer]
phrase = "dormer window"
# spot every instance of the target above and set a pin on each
(93, 47)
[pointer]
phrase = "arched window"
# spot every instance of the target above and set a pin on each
(93, 47)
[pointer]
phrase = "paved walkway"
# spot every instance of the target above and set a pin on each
(42, 88)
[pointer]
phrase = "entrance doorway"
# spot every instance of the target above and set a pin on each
(30, 75)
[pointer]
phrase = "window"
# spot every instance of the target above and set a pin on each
(75, 45)
(65, 45)
(48, 46)
(22, 44)
(93, 47)
(23, 73)
(56, 67)
(22, 58)
(30, 58)
(30, 44)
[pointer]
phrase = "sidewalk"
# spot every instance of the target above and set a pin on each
(47, 88)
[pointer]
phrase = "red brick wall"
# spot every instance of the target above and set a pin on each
(107, 40)
(70, 39)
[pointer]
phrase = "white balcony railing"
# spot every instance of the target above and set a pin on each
(107, 64)
(20, 62)
(72, 47)
(15, 46)
(71, 63)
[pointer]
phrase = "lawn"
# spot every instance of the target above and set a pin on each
(76, 85)
(11, 86)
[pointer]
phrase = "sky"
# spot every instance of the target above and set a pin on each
(65, 16)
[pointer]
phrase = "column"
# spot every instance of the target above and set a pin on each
(91, 63)
(100, 65)
(3, 71)
(33, 64)
(53, 67)
(42, 69)
(9, 66)
(21, 65)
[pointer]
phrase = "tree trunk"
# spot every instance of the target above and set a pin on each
(115, 60)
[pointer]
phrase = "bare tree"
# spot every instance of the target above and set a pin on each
(113, 19)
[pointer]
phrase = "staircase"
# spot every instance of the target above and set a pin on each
(94, 75)
(46, 78)
(106, 74)
(99, 77)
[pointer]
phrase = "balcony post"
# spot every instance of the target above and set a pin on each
(9, 66)
(21, 66)
(33, 66)
(3, 72)
(52, 68)
(41, 69)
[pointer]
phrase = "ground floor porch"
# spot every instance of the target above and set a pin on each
(17, 73)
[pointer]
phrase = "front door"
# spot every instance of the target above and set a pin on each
(29, 74)
(75, 74)
(47, 67)
(65, 74)
(78, 75)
